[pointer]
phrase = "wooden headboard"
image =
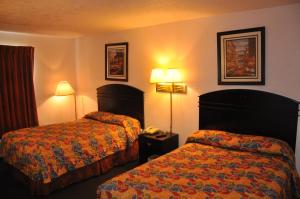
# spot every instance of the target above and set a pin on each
(250, 112)
(121, 99)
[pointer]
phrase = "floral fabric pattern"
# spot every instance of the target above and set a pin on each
(249, 143)
(47, 152)
(131, 125)
(198, 170)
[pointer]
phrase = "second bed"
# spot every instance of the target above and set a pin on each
(256, 161)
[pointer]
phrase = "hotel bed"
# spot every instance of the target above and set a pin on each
(50, 157)
(244, 148)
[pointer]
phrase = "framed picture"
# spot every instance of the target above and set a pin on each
(116, 61)
(241, 57)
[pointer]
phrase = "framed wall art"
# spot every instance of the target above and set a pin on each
(241, 57)
(116, 61)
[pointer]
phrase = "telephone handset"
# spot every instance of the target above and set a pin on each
(152, 130)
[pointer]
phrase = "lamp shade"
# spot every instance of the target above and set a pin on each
(157, 75)
(64, 88)
(173, 75)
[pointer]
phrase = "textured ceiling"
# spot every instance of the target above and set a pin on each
(77, 17)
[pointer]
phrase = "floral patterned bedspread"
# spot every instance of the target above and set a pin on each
(47, 152)
(213, 164)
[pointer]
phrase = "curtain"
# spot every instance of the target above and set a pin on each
(17, 98)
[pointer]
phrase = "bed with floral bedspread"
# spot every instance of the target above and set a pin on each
(45, 153)
(213, 164)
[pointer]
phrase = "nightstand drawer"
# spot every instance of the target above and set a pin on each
(150, 145)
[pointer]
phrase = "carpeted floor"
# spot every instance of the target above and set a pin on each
(9, 189)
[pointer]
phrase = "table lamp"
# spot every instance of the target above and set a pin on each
(170, 81)
(64, 89)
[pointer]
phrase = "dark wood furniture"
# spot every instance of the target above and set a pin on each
(250, 112)
(121, 99)
(115, 98)
(152, 145)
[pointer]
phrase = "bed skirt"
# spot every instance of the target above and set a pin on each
(95, 169)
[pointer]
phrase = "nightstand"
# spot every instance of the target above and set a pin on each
(152, 145)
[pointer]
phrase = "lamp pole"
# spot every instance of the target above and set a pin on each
(171, 108)
(171, 113)
(75, 106)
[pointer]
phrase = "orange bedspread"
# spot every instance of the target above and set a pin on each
(47, 152)
(213, 164)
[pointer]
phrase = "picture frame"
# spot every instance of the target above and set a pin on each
(116, 61)
(241, 57)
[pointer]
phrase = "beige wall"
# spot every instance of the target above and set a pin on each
(54, 60)
(192, 46)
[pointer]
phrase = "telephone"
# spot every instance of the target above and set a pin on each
(152, 130)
